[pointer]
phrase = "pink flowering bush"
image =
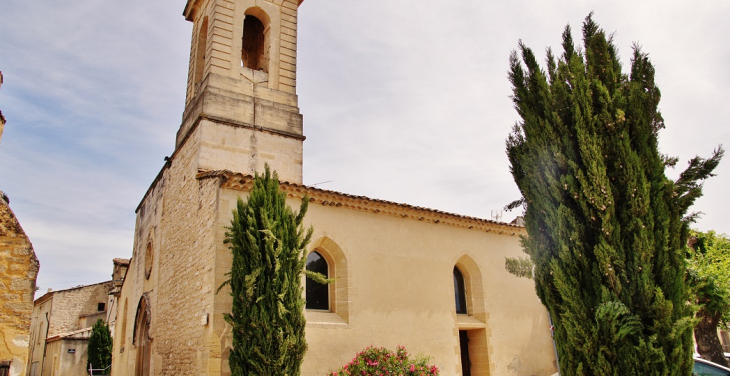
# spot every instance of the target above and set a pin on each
(379, 361)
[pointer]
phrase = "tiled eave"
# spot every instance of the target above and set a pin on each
(76, 334)
(49, 294)
(317, 196)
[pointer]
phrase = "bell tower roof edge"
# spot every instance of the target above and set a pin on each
(187, 12)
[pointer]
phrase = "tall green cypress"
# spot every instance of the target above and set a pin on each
(267, 240)
(100, 349)
(606, 227)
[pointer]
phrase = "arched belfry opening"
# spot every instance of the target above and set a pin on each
(255, 41)
(200, 51)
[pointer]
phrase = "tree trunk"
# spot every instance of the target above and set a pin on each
(708, 343)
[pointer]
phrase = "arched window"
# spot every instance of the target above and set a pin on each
(253, 45)
(459, 291)
(317, 293)
(141, 337)
(200, 50)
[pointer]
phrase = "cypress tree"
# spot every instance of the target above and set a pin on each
(100, 348)
(267, 240)
(606, 227)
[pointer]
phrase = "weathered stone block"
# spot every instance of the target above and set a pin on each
(18, 283)
(22, 251)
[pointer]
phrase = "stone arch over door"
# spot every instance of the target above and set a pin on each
(141, 337)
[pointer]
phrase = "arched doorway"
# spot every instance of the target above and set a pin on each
(142, 339)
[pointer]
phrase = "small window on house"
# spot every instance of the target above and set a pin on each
(4, 367)
(459, 291)
(252, 49)
(100, 307)
(317, 293)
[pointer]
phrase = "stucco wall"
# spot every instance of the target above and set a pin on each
(66, 357)
(39, 331)
(398, 279)
(18, 271)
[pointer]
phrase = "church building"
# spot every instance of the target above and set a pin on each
(431, 281)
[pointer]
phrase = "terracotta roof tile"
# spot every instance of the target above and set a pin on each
(333, 198)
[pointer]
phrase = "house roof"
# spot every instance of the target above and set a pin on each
(49, 294)
(242, 182)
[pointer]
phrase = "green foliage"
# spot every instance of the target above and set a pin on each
(709, 263)
(606, 227)
(520, 267)
(381, 361)
(267, 240)
(100, 348)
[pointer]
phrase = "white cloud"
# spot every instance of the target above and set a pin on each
(402, 100)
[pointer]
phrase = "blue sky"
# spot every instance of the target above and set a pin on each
(402, 100)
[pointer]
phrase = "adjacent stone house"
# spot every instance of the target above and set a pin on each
(62, 322)
(120, 271)
(432, 281)
(18, 272)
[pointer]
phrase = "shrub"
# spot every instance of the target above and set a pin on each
(100, 348)
(381, 361)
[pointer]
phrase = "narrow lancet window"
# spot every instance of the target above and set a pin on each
(317, 293)
(459, 291)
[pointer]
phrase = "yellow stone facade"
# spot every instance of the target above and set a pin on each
(18, 272)
(392, 263)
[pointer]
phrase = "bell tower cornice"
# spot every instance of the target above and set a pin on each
(187, 12)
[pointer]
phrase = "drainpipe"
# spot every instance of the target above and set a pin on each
(48, 325)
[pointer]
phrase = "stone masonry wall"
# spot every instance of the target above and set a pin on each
(69, 305)
(185, 269)
(18, 271)
(177, 217)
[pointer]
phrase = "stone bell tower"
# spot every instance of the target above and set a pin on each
(241, 106)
